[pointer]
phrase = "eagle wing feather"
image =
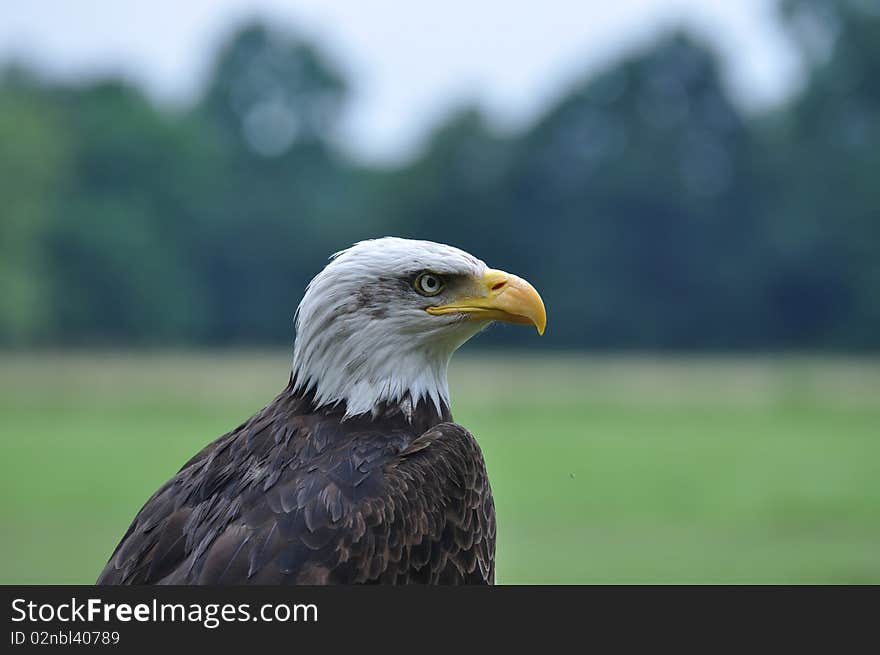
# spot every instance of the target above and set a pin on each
(270, 504)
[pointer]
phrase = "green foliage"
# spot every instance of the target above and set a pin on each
(827, 269)
(34, 162)
(648, 209)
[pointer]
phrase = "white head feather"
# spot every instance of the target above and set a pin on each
(363, 336)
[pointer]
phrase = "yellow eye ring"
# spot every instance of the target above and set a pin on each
(428, 284)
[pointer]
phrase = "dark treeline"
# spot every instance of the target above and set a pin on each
(649, 210)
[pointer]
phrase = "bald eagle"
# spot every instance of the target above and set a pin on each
(356, 472)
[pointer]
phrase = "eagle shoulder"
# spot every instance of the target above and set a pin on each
(297, 499)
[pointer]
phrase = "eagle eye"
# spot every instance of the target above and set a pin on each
(428, 284)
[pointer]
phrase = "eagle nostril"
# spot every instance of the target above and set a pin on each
(499, 285)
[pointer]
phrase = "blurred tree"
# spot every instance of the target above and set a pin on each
(824, 188)
(117, 262)
(271, 92)
(649, 210)
(283, 197)
(34, 165)
(637, 180)
(452, 191)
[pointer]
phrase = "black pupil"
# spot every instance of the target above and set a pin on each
(430, 283)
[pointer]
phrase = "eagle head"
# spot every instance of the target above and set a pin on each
(379, 324)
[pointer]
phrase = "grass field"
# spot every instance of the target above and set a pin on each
(604, 469)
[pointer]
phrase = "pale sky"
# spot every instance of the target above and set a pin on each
(410, 62)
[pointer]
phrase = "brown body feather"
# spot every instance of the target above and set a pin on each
(299, 496)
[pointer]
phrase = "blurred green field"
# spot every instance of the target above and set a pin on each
(604, 469)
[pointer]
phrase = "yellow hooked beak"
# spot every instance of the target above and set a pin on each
(499, 296)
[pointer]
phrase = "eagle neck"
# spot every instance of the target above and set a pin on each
(414, 417)
(380, 383)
